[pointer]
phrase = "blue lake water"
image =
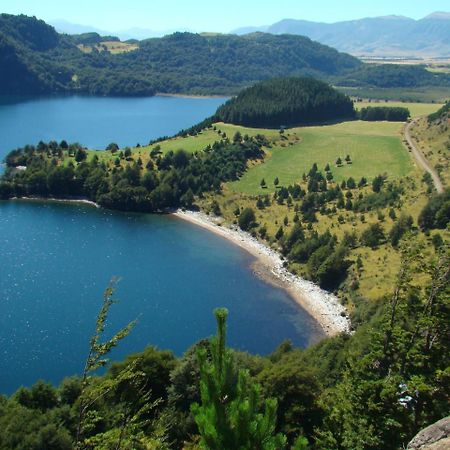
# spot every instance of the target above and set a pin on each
(97, 121)
(57, 259)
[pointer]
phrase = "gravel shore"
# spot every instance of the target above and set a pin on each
(320, 304)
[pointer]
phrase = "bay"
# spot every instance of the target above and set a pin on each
(56, 259)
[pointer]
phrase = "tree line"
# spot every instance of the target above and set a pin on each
(168, 181)
(389, 113)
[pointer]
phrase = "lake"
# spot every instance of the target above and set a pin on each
(56, 260)
(96, 121)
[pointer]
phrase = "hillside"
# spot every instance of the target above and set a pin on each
(39, 60)
(286, 102)
(393, 76)
(389, 36)
(432, 134)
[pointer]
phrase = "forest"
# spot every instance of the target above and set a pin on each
(168, 181)
(389, 113)
(35, 59)
(286, 102)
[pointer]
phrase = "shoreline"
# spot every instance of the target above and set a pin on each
(323, 306)
(82, 201)
(160, 94)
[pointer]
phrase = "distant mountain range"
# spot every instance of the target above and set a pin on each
(63, 26)
(388, 36)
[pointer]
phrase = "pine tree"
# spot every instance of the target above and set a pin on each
(229, 417)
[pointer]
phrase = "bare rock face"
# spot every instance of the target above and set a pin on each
(434, 437)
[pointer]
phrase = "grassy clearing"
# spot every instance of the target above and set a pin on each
(113, 47)
(425, 95)
(374, 147)
(416, 109)
(190, 144)
(380, 266)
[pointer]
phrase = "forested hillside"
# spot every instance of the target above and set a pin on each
(40, 60)
(286, 102)
(35, 59)
(392, 76)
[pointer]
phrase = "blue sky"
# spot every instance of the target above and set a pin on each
(208, 15)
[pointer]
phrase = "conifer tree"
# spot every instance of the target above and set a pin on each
(229, 417)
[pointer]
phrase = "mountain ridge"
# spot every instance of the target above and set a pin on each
(178, 63)
(400, 37)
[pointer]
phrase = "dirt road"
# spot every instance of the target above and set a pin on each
(420, 158)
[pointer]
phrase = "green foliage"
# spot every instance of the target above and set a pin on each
(373, 235)
(377, 183)
(397, 382)
(389, 113)
(394, 75)
(246, 219)
(97, 358)
(170, 181)
(35, 59)
(442, 113)
(294, 384)
(286, 102)
(228, 417)
(436, 213)
(402, 226)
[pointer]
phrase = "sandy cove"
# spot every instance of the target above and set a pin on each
(324, 307)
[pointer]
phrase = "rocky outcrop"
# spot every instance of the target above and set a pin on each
(434, 437)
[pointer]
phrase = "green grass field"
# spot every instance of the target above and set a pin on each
(190, 144)
(416, 109)
(422, 95)
(374, 147)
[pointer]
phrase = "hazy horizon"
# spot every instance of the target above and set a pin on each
(199, 16)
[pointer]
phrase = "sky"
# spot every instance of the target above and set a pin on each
(209, 15)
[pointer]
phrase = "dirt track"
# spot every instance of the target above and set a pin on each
(420, 158)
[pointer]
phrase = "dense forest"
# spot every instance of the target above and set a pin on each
(286, 102)
(389, 113)
(38, 59)
(35, 59)
(368, 391)
(392, 76)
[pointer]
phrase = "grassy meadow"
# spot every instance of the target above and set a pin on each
(416, 109)
(374, 148)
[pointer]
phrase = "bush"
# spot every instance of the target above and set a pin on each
(247, 219)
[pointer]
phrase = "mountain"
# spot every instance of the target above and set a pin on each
(37, 59)
(388, 36)
(63, 26)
